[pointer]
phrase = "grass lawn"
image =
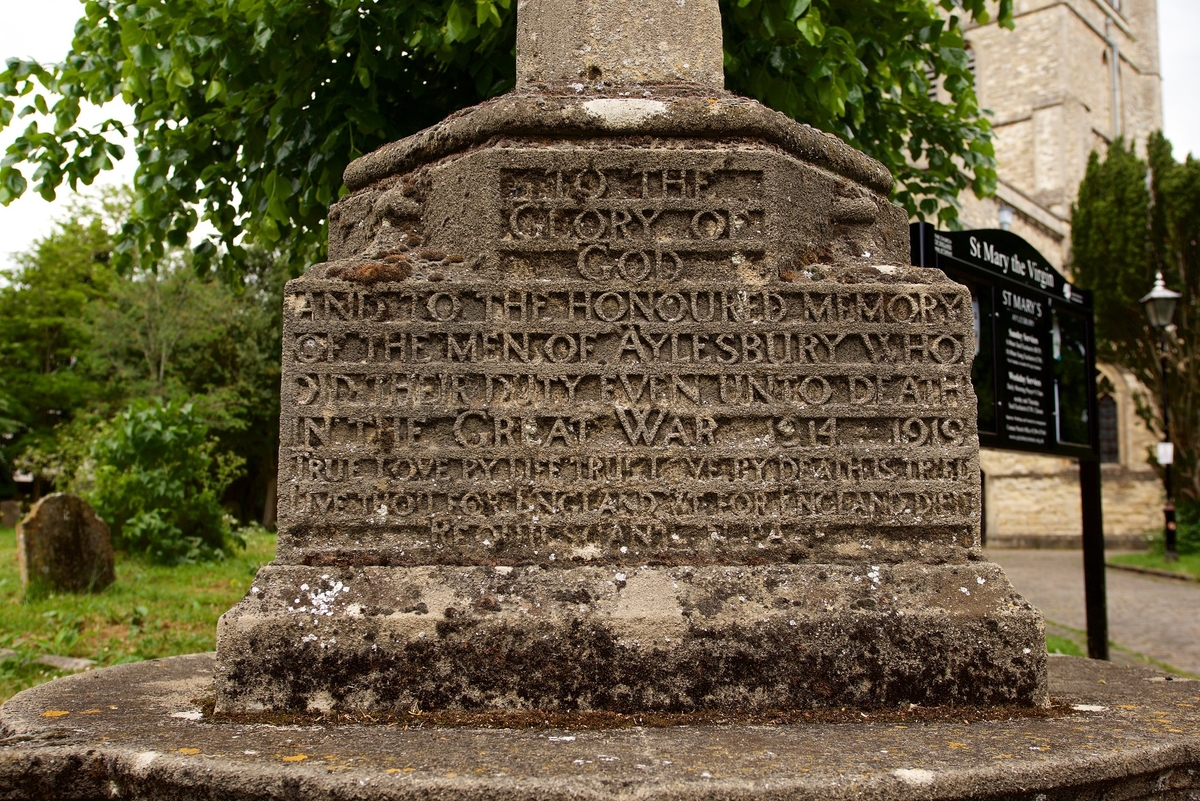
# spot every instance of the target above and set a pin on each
(150, 611)
(1058, 644)
(1188, 563)
(1065, 640)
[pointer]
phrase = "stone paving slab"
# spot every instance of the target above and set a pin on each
(1157, 617)
(135, 731)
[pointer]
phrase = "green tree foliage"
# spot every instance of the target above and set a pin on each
(1125, 229)
(8, 427)
(169, 334)
(43, 331)
(863, 69)
(1187, 536)
(1110, 241)
(7, 424)
(247, 111)
(79, 342)
(159, 480)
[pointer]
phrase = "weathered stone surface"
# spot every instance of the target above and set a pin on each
(625, 402)
(63, 545)
(591, 41)
(670, 639)
(136, 731)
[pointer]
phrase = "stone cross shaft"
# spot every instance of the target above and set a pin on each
(619, 42)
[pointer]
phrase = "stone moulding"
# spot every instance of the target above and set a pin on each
(681, 113)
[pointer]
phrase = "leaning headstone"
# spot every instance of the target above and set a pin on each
(67, 663)
(10, 513)
(616, 394)
(64, 546)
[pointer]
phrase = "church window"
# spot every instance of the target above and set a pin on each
(1110, 450)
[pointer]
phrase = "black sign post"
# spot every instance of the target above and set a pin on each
(1034, 370)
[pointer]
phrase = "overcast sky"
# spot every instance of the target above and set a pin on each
(42, 29)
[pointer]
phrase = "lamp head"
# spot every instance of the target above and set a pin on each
(1006, 217)
(1160, 303)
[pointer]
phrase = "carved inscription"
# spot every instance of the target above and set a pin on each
(633, 224)
(562, 418)
(631, 377)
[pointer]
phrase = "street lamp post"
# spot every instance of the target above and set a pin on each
(1160, 310)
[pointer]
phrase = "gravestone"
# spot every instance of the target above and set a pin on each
(64, 546)
(10, 513)
(615, 393)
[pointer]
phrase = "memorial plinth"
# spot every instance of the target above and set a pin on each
(616, 394)
(139, 731)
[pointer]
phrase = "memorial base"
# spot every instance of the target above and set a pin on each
(648, 639)
(137, 731)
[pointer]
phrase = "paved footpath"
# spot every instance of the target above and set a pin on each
(1157, 617)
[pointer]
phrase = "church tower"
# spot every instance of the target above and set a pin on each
(1071, 77)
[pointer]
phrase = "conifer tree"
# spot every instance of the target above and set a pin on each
(1135, 217)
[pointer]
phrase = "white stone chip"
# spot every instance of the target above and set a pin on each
(619, 113)
(917, 776)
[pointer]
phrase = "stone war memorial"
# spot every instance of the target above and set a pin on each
(616, 401)
(620, 398)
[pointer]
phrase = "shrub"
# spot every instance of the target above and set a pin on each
(1187, 530)
(159, 481)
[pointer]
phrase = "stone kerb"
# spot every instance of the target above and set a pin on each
(591, 41)
(138, 731)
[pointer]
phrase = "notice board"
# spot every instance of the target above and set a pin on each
(1034, 368)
